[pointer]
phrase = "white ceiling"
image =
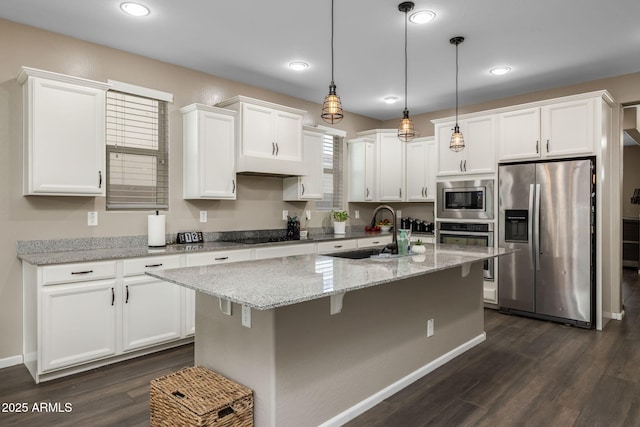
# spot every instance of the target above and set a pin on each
(548, 43)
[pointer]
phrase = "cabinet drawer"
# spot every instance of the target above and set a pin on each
(375, 241)
(80, 272)
(135, 266)
(222, 257)
(335, 245)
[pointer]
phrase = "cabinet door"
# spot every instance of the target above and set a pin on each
(65, 138)
(479, 152)
(519, 135)
(215, 160)
(449, 162)
(152, 312)
(568, 128)
(369, 171)
(361, 170)
(258, 131)
(416, 171)
(288, 136)
(311, 183)
(391, 168)
(78, 323)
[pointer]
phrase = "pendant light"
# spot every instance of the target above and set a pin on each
(406, 132)
(332, 107)
(457, 140)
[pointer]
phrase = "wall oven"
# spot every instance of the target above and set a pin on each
(469, 234)
(465, 199)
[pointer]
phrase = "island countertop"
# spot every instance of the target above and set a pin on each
(278, 282)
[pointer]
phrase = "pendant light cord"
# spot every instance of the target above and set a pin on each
(457, 44)
(332, 41)
(405, 60)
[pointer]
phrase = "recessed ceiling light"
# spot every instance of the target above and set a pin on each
(422, 16)
(391, 99)
(298, 65)
(135, 9)
(498, 71)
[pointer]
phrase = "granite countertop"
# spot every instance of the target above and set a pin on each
(82, 250)
(278, 282)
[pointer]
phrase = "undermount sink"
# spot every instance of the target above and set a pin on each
(375, 253)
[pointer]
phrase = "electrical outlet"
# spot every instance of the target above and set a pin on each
(92, 219)
(246, 316)
(356, 214)
(430, 328)
(285, 214)
(307, 215)
(203, 216)
(398, 214)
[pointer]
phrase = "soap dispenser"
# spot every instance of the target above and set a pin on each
(403, 243)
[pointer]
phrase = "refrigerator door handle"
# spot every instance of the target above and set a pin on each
(530, 225)
(536, 226)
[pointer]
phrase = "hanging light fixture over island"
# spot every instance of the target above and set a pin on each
(457, 140)
(406, 132)
(332, 107)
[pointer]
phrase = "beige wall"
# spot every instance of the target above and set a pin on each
(259, 204)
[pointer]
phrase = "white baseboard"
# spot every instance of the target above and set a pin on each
(392, 389)
(10, 361)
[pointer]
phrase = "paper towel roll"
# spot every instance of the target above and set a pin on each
(157, 230)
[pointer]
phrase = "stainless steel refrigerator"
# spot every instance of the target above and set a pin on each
(547, 212)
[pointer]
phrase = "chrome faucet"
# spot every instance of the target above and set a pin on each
(394, 244)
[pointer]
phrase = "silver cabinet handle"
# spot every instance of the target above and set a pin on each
(367, 192)
(547, 145)
(273, 148)
(537, 149)
(277, 148)
(233, 181)
(465, 166)
(302, 188)
(376, 242)
(426, 192)
(460, 165)
(400, 192)
(337, 246)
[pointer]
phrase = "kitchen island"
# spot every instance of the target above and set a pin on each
(320, 339)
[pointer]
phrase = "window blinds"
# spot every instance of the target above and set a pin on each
(332, 174)
(137, 152)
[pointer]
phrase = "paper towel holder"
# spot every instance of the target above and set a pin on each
(156, 236)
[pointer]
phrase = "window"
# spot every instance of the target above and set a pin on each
(333, 188)
(137, 151)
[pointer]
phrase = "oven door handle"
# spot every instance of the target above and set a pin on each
(466, 233)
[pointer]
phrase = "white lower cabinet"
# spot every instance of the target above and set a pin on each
(78, 323)
(151, 312)
(383, 239)
(336, 245)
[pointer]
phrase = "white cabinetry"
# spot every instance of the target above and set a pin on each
(478, 156)
(78, 323)
(151, 308)
(64, 134)
(208, 152)
(336, 245)
(421, 170)
(389, 165)
(269, 137)
(560, 129)
(383, 239)
(308, 186)
(361, 154)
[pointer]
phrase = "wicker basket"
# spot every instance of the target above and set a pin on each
(197, 396)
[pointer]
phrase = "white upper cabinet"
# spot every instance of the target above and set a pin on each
(208, 152)
(64, 134)
(269, 137)
(309, 185)
(478, 156)
(421, 169)
(361, 153)
(391, 155)
(560, 129)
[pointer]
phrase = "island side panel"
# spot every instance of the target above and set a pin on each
(326, 364)
(244, 355)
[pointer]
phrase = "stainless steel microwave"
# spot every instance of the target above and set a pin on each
(465, 199)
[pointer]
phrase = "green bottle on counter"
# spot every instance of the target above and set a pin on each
(403, 243)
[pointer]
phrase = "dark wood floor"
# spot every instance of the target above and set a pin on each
(528, 372)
